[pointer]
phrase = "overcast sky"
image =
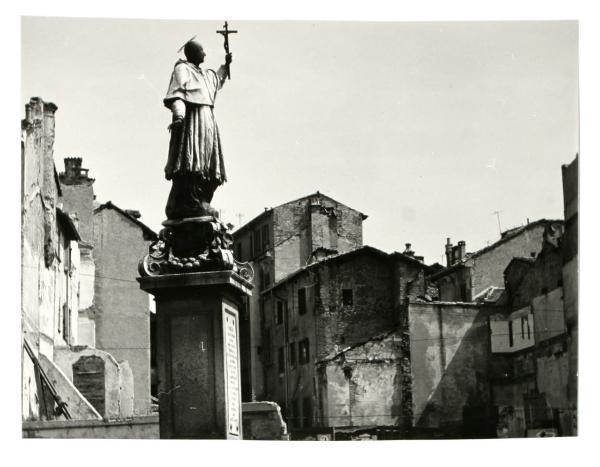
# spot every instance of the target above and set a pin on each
(425, 127)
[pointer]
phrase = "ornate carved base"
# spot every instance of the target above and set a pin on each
(192, 245)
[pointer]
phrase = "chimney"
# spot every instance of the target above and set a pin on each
(448, 252)
(74, 174)
(408, 251)
(462, 250)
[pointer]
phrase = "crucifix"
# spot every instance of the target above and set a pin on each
(225, 32)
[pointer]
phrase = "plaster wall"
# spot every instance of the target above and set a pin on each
(121, 312)
(449, 348)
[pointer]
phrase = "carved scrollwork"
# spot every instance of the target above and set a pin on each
(190, 245)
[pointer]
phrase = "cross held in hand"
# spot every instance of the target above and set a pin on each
(225, 32)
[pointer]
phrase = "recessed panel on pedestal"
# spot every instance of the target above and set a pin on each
(192, 373)
(232, 371)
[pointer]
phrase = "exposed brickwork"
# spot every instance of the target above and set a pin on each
(375, 286)
(363, 386)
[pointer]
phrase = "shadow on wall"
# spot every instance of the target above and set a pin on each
(450, 358)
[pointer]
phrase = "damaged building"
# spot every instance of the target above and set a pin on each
(66, 375)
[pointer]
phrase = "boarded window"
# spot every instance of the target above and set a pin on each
(302, 301)
(88, 378)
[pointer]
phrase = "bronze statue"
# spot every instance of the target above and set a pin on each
(194, 238)
(195, 161)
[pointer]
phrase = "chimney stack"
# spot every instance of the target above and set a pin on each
(462, 250)
(448, 252)
(408, 251)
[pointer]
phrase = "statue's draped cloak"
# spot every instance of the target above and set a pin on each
(195, 147)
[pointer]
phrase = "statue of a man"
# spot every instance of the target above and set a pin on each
(195, 163)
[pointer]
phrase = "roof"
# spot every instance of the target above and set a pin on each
(376, 338)
(268, 211)
(506, 236)
(109, 205)
(344, 256)
(69, 224)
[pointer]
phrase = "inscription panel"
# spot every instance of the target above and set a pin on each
(232, 370)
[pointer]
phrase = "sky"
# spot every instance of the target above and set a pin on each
(428, 128)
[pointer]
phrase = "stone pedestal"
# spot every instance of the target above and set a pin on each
(199, 385)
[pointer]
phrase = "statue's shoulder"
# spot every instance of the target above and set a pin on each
(181, 64)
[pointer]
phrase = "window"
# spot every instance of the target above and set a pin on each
(522, 327)
(302, 301)
(238, 251)
(303, 350)
(463, 292)
(347, 298)
(528, 329)
(292, 354)
(267, 278)
(281, 361)
(279, 318)
(265, 237)
(257, 242)
(510, 334)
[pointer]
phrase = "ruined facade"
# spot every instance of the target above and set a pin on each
(468, 276)
(51, 271)
(529, 346)
(278, 242)
(114, 314)
(325, 307)
(66, 377)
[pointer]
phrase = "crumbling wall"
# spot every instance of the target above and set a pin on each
(364, 384)
(449, 347)
(263, 421)
(372, 312)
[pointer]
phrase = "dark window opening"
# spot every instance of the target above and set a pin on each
(522, 327)
(303, 350)
(265, 237)
(302, 301)
(292, 354)
(347, 297)
(528, 329)
(510, 333)
(281, 360)
(279, 319)
(463, 292)
(257, 242)
(238, 251)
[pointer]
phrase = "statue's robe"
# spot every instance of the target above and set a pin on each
(195, 161)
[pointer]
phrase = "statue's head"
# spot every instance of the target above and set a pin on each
(194, 52)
